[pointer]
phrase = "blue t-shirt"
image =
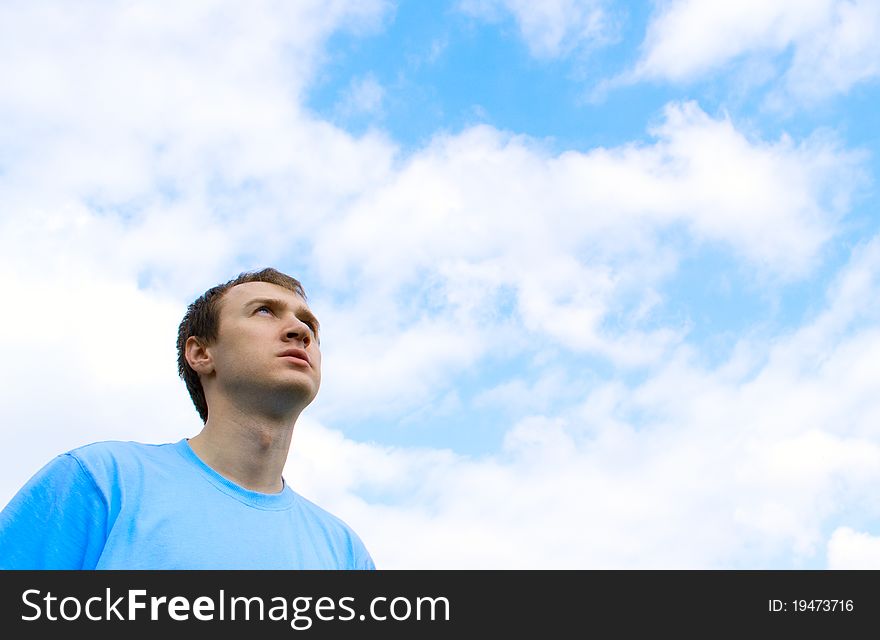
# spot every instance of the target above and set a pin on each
(127, 505)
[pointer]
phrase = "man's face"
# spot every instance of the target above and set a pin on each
(267, 345)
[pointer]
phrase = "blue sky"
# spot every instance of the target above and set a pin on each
(443, 69)
(598, 279)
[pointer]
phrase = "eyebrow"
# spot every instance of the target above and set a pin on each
(277, 303)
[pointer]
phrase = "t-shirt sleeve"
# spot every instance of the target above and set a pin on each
(58, 520)
(363, 561)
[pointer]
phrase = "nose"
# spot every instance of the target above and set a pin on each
(297, 330)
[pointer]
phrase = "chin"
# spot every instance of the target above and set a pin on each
(303, 391)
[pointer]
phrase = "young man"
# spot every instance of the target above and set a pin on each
(249, 353)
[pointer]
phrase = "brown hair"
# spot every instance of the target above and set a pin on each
(202, 320)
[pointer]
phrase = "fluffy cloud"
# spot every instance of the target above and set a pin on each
(147, 151)
(739, 466)
(179, 160)
(848, 549)
(832, 41)
(514, 244)
(363, 97)
(554, 27)
(130, 130)
(485, 192)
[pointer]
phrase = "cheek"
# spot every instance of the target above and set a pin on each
(241, 353)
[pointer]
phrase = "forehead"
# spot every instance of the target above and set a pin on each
(241, 294)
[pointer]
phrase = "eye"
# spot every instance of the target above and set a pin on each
(262, 308)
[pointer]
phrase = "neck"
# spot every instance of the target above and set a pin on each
(245, 447)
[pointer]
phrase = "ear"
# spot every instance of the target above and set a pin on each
(198, 356)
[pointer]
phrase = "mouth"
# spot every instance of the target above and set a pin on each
(295, 354)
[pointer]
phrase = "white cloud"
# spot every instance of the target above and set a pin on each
(364, 96)
(482, 192)
(832, 42)
(482, 221)
(480, 244)
(156, 144)
(551, 28)
(731, 467)
(86, 357)
(516, 396)
(841, 54)
(848, 549)
(129, 97)
(142, 146)
(370, 368)
(148, 126)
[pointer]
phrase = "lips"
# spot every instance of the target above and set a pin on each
(295, 353)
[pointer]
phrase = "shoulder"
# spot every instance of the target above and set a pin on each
(317, 512)
(118, 449)
(111, 457)
(344, 536)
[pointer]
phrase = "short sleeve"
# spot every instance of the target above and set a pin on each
(366, 563)
(58, 520)
(363, 561)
